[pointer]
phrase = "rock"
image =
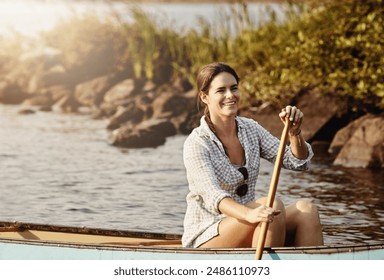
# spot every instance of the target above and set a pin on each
(319, 110)
(45, 108)
(365, 146)
(54, 76)
(68, 104)
(131, 114)
(26, 111)
(188, 123)
(11, 93)
(171, 103)
(56, 92)
(344, 134)
(91, 93)
(122, 91)
(182, 84)
(144, 103)
(44, 100)
(189, 118)
(151, 133)
(320, 149)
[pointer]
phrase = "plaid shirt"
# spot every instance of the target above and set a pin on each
(212, 177)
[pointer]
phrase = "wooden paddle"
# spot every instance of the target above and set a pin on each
(272, 188)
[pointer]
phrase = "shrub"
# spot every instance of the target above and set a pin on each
(335, 45)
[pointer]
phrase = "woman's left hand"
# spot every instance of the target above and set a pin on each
(295, 116)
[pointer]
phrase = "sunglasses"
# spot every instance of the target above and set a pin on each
(243, 189)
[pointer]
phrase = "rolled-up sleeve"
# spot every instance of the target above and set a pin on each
(293, 163)
(269, 146)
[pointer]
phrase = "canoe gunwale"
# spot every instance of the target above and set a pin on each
(20, 227)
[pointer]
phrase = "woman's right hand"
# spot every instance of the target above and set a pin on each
(261, 214)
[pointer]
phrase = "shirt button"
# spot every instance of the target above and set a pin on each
(198, 198)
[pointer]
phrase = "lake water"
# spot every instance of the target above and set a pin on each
(60, 169)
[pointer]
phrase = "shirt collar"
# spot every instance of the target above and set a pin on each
(206, 131)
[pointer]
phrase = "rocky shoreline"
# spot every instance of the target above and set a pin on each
(144, 113)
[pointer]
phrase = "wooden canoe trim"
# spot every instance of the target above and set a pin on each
(8, 229)
(20, 227)
(148, 243)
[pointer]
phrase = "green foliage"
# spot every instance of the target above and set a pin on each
(336, 46)
(199, 48)
(141, 44)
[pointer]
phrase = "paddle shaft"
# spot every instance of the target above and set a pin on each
(272, 189)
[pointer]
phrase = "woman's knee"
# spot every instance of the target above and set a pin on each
(306, 212)
(307, 207)
(277, 203)
(303, 225)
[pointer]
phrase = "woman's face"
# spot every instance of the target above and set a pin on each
(223, 96)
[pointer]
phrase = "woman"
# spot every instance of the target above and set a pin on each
(222, 158)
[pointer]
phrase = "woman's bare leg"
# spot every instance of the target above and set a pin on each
(234, 233)
(303, 225)
(276, 230)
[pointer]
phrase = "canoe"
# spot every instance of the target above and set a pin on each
(26, 241)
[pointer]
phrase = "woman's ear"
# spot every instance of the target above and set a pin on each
(203, 97)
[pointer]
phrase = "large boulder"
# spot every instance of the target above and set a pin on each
(319, 110)
(188, 116)
(364, 143)
(150, 133)
(131, 113)
(121, 91)
(43, 100)
(91, 93)
(125, 91)
(171, 103)
(11, 93)
(67, 102)
(344, 134)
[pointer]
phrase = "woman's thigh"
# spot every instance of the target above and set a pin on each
(233, 233)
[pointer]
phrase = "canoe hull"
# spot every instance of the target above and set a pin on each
(41, 242)
(35, 250)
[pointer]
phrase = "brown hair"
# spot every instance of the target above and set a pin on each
(204, 79)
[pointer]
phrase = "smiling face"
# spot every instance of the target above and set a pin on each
(223, 96)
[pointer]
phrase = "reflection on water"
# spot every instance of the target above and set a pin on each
(59, 169)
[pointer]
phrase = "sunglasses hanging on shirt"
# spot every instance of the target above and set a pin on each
(243, 189)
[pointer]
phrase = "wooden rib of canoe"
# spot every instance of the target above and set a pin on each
(23, 241)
